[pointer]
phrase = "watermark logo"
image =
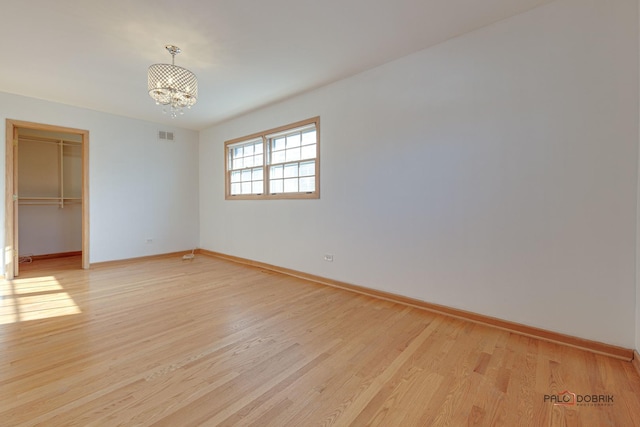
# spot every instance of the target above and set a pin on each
(568, 398)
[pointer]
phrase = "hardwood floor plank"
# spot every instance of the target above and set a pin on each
(160, 341)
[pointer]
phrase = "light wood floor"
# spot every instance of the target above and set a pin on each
(208, 342)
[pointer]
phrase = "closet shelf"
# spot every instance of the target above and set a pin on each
(48, 201)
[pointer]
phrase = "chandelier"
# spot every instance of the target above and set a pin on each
(172, 86)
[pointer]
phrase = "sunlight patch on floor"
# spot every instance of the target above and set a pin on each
(34, 299)
(36, 284)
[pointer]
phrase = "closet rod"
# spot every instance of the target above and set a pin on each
(42, 203)
(46, 199)
(45, 203)
(38, 204)
(38, 198)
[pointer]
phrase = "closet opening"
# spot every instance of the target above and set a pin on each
(47, 215)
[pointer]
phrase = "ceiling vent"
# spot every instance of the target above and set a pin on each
(165, 136)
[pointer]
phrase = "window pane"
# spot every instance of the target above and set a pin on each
(257, 187)
(278, 144)
(257, 148)
(276, 186)
(307, 184)
(248, 162)
(291, 170)
(238, 163)
(307, 168)
(309, 137)
(277, 157)
(235, 176)
(291, 185)
(248, 150)
(235, 188)
(246, 175)
(308, 152)
(293, 154)
(257, 174)
(246, 187)
(276, 171)
(237, 152)
(293, 140)
(257, 160)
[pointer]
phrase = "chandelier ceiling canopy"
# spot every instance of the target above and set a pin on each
(171, 86)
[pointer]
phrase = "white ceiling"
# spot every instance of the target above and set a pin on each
(246, 53)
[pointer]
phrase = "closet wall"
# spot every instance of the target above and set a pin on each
(49, 192)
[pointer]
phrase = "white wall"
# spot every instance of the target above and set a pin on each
(140, 188)
(49, 229)
(494, 173)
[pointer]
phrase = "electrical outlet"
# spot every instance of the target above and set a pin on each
(328, 257)
(149, 240)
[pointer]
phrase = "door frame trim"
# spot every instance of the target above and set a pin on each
(10, 255)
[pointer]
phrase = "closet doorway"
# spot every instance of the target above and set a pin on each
(47, 193)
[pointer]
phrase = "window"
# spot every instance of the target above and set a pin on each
(280, 163)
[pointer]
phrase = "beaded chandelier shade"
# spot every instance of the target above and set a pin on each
(171, 86)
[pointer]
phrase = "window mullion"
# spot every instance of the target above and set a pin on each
(265, 166)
